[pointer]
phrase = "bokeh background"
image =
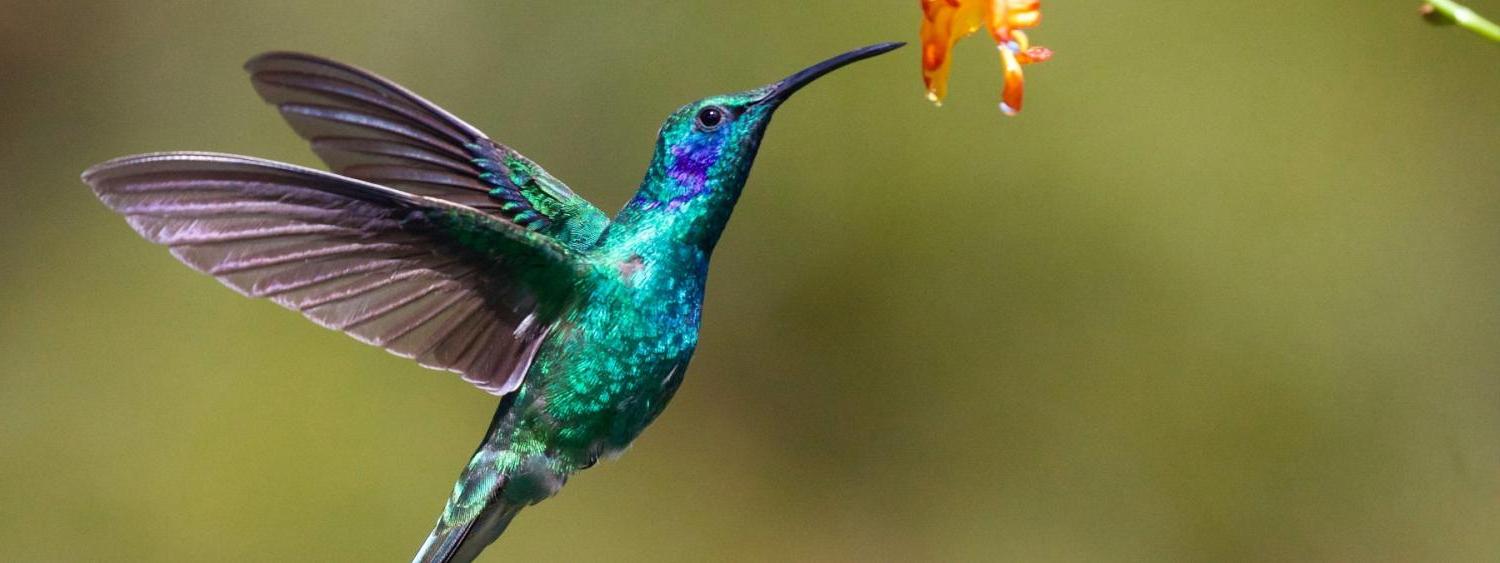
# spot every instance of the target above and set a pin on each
(1227, 290)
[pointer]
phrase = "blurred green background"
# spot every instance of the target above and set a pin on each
(1227, 290)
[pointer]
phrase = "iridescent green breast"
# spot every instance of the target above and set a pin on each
(614, 360)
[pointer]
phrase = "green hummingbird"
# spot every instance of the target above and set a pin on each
(439, 244)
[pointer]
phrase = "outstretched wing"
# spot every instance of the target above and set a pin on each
(422, 277)
(370, 128)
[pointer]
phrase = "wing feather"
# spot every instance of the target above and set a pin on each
(423, 277)
(370, 128)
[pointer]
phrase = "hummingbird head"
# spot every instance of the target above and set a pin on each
(705, 149)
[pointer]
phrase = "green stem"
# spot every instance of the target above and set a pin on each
(1466, 18)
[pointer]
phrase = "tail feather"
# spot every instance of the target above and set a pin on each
(461, 542)
(495, 485)
(475, 515)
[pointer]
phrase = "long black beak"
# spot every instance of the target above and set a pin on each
(780, 91)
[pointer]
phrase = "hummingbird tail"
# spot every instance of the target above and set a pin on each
(496, 484)
(461, 542)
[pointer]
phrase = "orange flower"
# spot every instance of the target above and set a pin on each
(944, 22)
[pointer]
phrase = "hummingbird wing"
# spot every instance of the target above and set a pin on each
(369, 128)
(423, 277)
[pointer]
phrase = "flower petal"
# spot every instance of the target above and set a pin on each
(944, 22)
(1015, 82)
(1021, 14)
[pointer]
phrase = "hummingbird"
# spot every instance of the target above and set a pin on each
(438, 244)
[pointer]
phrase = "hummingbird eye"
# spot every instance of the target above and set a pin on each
(711, 118)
